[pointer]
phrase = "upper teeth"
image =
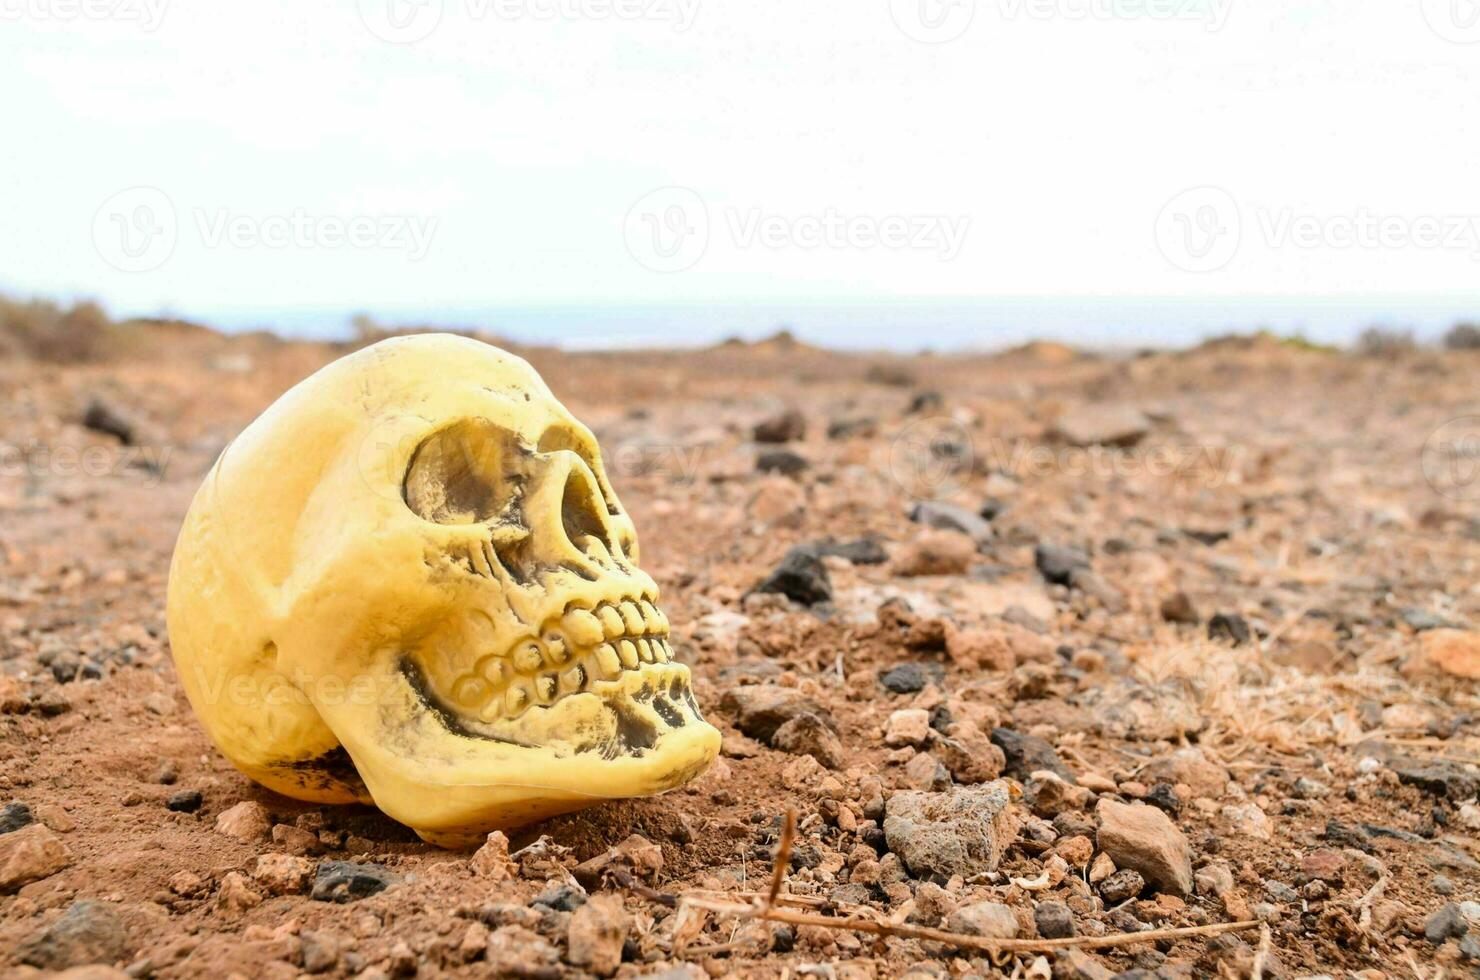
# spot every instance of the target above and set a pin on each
(574, 650)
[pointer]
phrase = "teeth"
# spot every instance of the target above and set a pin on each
(573, 679)
(470, 691)
(628, 652)
(645, 651)
(516, 699)
(528, 659)
(632, 618)
(583, 628)
(612, 621)
(546, 686)
(495, 670)
(555, 647)
(607, 662)
(661, 651)
(650, 621)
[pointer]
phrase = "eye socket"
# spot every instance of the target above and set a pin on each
(564, 437)
(470, 472)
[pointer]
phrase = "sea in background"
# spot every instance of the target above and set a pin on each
(905, 326)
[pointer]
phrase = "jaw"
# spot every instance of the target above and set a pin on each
(453, 776)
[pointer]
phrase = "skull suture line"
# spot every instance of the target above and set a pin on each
(409, 582)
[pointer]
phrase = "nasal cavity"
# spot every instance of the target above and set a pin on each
(582, 509)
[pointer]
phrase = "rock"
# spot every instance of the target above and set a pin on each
(283, 874)
(1121, 886)
(760, 709)
(296, 840)
(935, 552)
(235, 896)
(1144, 839)
(864, 551)
(110, 421)
(801, 577)
(561, 896)
(1178, 608)
(1449, 651)
(806, 734)
(596, 934)
(968, 754)
(514, 951)
(1166, 712)
(1054, 920)
(492, 861)
(961, 831)
(55, 818)
(932, 904)
(788, 426)
(911, 678)
(1229, 628)
(1445, 924)
(949, 517)
(1312, 657)
(185, 801)
(1249, 820)
(991, 920)
(1118, 426)
(188, 884)
(1057, 565)
(348, 881)
(636, 854)
(246, 821)
(1078, 965)
(782, 461)
(159, 703)
(1323, 863)
(988, 649)
(88, 932)
(925, 772)
(14, 816)
(1439, 777)
(908, 726)
(320, 950)
(1027, 754)
(1192, 768)
(1076, 851)
(30, 854)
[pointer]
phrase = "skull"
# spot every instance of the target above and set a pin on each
(409, 582)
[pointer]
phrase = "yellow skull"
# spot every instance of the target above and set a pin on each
(409, 582)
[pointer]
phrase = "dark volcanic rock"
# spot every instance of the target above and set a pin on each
(782, 461)
(864, 551)
(911, 677)
(1027, 754)
(760, 709)
(949, 517)
(1229, 627)
(788, 426)
(14, 816)
(347, 881)
(1057, 565)
(104, 418)
(800, 577)
(185, 801)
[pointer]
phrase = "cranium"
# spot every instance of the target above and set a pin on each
(409, 582)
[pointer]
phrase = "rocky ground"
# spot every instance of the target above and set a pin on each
(1039, 646)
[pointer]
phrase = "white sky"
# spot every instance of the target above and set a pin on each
(520, 143)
